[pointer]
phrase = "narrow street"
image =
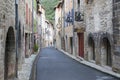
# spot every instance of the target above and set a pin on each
(54, 65)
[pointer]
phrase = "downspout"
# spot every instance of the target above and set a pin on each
(32, 25)
(17, 28)
(73, 31)
(64, 27)
(61, 37)
(64, 24)
(41, 32)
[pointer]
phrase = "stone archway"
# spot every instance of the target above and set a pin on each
(10, 56)
(91, 45)
(106, 56)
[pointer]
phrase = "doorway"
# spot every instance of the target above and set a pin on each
(106, 52)
(81, 44)
(71, 44)
(10, 56)
(91, 48)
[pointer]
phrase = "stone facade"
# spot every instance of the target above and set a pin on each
(58, 25)
(98, 17)
(9, 60)
(68, 10)
(21, 18)
(101, 32)
(7, 40)
(116, 35)
(43, 18)
(28, 28)
(49, 32)
(94, 31)
(79, 26)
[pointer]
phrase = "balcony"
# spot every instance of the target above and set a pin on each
(78, 16)
(79, 22)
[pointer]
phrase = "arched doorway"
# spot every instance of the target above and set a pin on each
(10, 56)
(91, 45)
(106, 57)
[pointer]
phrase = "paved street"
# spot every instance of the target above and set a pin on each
(54, 65)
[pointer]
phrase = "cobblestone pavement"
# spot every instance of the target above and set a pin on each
(54, 65)
(24, 74)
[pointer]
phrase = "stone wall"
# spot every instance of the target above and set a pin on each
(7, 19)
(8, 41)
(98, 16)
(116, 35)
(21, 16)
(98, 19)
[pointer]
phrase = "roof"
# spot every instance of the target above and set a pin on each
(59, 4)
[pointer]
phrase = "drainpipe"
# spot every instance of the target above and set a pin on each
(40, 28)
(32, 25)
(73, 32)
(16, 27)
(64, 25)
(41, 42)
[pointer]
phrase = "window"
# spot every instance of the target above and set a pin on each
(89, 1)
(78, 4)
(26, 13)
(116, 1)
(78, 1)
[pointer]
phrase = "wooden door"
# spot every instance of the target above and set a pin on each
(81, 44)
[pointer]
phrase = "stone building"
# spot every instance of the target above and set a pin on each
(28, 28)
(7, 40)
(46, 35)
(21, 37)
(79, 28)
(43, 18)
(94, 31)
(91, 31)
(68, 38)
(68, 26)
(58, 25)
(12, 35)
(49, 32)
(116, 35)
(15, 36)
(99, 32)
(37, 23)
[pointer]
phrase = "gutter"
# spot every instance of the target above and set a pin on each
(32, 24)
(17, 28)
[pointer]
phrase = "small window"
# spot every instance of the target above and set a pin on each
(89, 1)
(116, 1)
(78, 1)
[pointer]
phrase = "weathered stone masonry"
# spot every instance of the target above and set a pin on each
(7, 39)
(116, 35)
(98, 17)
(21, 47)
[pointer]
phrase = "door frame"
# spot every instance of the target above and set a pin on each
(81, 47)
